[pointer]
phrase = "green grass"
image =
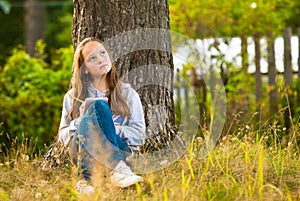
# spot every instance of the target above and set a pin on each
(256, 166)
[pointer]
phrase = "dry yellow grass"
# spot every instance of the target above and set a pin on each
(253, 167)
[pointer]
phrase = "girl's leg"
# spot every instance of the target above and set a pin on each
(79, 154)
(97, 139)
(104, 118)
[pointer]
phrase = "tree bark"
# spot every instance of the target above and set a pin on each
(110, 21)
(35, 20)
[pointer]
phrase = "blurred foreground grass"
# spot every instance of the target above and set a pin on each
(256, 166)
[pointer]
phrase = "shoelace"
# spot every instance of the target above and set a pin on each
(122, 170)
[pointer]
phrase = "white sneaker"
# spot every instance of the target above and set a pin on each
(84, 188)
(122, 176)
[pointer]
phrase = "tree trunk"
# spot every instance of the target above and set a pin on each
(272, 74)
(34, 20)
(143, 58)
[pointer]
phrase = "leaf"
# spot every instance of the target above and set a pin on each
(5, 6)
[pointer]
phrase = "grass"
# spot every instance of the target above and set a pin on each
(248, 164)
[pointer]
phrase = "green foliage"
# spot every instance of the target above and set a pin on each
(59, 27)
(32, 92)
(250, 17)
(289, 96)
(209, 18)
(293, 21)
(198, 19)
(294, 94)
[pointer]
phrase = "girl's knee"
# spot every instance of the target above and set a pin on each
(101, 104)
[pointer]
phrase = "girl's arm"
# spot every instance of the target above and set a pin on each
(67, 127)
(133, 129)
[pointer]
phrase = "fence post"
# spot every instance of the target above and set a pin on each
(298, 88)
(272, 73)
(288, 73)
(186, 96)
(258, 82)
(178, 85)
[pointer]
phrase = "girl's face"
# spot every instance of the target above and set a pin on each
(96, 59)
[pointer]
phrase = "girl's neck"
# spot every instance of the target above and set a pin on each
(101, 84)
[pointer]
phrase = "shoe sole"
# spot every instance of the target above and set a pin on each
(129, 182)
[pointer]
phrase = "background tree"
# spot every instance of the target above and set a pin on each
(23, 22)
(106, 19)
(34, 19)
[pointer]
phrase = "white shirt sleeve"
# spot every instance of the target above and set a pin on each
(133, 129)
(67, 127)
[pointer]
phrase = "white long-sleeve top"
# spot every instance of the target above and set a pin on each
(131, 130)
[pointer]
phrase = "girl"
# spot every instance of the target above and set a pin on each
(111, 127)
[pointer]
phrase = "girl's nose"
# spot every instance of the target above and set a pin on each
(100, 58)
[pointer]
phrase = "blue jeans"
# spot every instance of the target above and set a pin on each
(98, 140)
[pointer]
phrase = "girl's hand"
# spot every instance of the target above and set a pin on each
(87, 103)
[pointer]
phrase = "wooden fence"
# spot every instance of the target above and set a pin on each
(289, 76)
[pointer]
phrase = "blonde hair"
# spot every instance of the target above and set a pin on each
(80, 81)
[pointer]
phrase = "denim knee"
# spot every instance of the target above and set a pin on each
(102, 104)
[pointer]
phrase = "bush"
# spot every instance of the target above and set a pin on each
(32, 93)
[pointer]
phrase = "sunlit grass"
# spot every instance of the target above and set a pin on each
(252, 166)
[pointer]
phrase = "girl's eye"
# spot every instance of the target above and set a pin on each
(102, 53)
(92, 58)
